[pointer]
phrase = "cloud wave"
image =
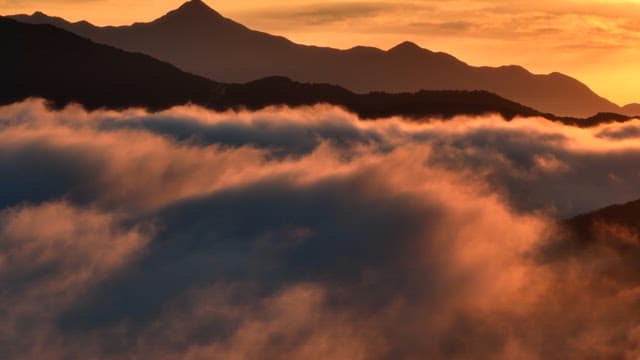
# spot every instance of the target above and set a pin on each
(291, 233)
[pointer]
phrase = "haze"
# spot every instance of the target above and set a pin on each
(590, 40)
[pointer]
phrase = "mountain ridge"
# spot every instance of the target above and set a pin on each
(614, 228)
(223, 50)
(48, 62)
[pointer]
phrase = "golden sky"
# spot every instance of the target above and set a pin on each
(596, 41)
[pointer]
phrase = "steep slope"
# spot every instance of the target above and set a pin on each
(199, 40)
(45, 61)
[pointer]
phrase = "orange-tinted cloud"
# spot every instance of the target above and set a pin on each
(195, 234)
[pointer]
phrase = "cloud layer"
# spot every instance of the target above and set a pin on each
(309, 233)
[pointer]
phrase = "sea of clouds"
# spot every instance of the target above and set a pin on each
(309, 233)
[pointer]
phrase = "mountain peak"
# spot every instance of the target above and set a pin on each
(195, 5)
(40, 15)
(193, 10)
(406, 46)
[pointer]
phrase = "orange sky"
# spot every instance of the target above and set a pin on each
(595, 41)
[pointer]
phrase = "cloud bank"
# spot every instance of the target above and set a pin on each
(308, 233)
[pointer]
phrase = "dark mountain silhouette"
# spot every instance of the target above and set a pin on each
(48, 62)
(613, 230)
(44, 61)
(624, 215)
(199, 40)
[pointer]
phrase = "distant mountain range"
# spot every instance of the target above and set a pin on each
(48, 62)
(197, 39)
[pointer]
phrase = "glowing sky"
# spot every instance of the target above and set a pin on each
(597, 42)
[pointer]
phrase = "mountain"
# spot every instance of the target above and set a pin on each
(631, 109)
(48, 62)
(44, 61)
(614, 229)
(199, 40)
(623, 215)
